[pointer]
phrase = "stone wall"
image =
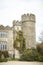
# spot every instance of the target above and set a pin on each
(8, 39)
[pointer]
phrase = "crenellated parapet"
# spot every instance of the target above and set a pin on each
(28, 17)
(32, 17)
(5, 27)
(25, 17)
(16, 23)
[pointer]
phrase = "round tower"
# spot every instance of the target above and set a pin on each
(28, 27)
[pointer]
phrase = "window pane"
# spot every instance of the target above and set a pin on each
(3, 34)
(3, 45)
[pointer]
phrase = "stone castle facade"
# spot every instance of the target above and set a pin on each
(8, 34)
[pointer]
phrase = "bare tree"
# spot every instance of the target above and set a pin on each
(41, 37)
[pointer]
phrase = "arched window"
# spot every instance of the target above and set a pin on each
(3, 45)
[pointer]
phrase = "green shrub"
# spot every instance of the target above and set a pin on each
(40, 58)
(40, 51)
(3, 60)
(40, 48)
(29, 55)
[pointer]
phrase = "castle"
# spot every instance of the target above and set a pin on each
(8, 34)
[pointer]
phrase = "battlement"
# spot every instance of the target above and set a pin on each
(5, 27)
(28, 17)
(16, 23)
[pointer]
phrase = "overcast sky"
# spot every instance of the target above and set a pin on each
(13, 9)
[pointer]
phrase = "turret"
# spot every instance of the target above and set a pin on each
(28, 27)
(16, 27)
(16, 23)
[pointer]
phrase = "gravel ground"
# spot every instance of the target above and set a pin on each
(21, 63)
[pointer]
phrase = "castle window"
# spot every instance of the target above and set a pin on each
(3, 34)
(3, 45)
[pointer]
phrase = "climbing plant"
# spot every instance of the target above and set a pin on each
(19, 42)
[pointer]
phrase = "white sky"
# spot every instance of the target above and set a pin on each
(13, 9)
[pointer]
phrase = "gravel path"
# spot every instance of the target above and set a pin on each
(21, 63)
